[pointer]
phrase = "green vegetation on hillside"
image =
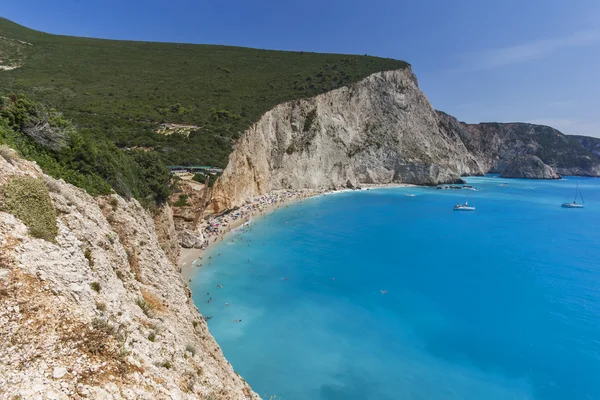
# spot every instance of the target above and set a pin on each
(123, 90)
(95, 164)
(208, 179)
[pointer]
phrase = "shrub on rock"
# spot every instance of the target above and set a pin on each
(28, 199)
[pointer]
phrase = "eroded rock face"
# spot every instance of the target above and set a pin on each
(530, 167)
(379, 130)
(191, 239)
(592, 144)
(166, 233)
(497, 145)
(102, 313)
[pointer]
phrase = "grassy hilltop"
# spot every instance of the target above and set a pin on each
(124, 90)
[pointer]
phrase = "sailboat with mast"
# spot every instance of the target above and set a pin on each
(575, 204)
(465, 206)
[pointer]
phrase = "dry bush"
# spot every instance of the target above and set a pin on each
(7, 153)
(101, 341)
(145, 306)
(191, 349)
(28, 199)
(41, 130)
(95, 286)
(51, 184)
(153, 300)
(87, 253)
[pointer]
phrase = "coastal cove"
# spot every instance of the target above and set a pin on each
(211, 204)
(215, 228)
(514, 313)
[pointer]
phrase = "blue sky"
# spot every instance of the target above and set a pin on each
(480, 60)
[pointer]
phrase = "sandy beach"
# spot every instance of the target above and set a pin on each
(215, 228)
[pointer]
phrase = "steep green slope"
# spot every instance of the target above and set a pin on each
(123, 90)
(41, 134)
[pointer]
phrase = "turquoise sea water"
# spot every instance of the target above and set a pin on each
(501, 303)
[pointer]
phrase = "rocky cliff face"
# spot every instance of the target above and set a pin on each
(187, 202)
(166, 233)
(497, 145)
(591, 144)
(102, 313)
(383, 130)
(379, 130)
(530, 167)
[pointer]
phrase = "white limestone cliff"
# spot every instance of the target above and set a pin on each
(382, 130)
(528, 167)
(379, 130)
(102, 313)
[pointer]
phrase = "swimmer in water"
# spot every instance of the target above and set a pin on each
(237, 320)
(226, 304)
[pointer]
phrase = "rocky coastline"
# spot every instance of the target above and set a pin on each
(102, 311)
(383, 130)
(529, 167)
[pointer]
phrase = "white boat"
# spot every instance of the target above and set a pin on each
(464, 207)
(572, 205)
(575, 204)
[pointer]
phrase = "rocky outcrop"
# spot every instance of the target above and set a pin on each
(496, 145)
(102, 312)
(187, 202)
(191, 239)
(379, 130)
(591, 144)
(166, 232)
(528, 166)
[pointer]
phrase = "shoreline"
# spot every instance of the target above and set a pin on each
(214, 229)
